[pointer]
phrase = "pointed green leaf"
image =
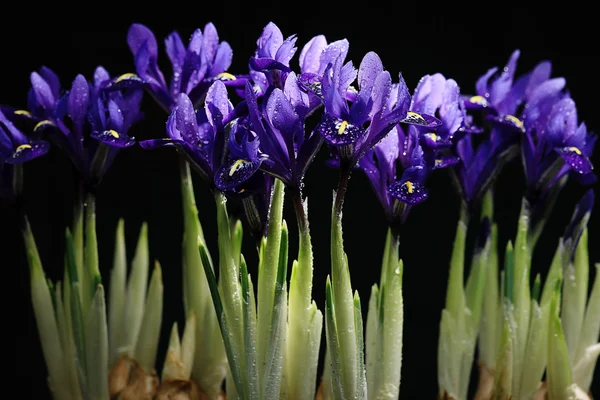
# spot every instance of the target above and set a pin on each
(117, 295)
(333, 346)
(147, 343)
(91, 271)
(372, 341)
(489, 334)
(188, 346)
(559, 374)
(249, 308)
(96, 347)
(173, 366)
(136, 292)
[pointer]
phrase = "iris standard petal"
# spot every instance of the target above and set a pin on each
(185, 119)
(138, 36)
(43, 92)
(310, 56)
(78, 102)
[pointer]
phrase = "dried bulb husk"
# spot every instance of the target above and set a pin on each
(485, 388)
(179, 389)
(128, 381)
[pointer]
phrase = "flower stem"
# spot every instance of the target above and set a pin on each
(341, 191)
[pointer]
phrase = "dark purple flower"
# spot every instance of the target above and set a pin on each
(88, 122)
(352, 129)
(200, 135)
(399, 164)
(195, 68)
(15, 148)
(281, 147)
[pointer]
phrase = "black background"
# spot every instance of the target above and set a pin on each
(459, 40)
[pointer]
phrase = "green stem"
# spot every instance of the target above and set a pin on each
(91, 272)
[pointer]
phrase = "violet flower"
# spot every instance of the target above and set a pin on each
(195, 68)
(88, 123)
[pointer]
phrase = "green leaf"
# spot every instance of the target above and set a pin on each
(117, 295)
(173, 367)
(91, 271)
(361, 378)
(333, 345)
(455, 296)
(249, 308)
(574, 296)
(188, 346)
(588, 342)
(373, 342)
(504, 365)
(558, 375)
(267, 280)
(147, 343)
(136, 293)
(45, 320)
(536, 355)
(271, 380)
(96, 347)
(489, 334)
(63, 319)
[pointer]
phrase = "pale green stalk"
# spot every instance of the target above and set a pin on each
(96, 350)
(47, 327)
(147, 342)
(136, 294)
(91, 272)
(267, 277)
(210, 363)
(305, 321)
(117, 295)
(559, 376)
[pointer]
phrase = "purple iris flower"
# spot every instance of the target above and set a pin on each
(15, 148)
(87, 122)
(352, 129)
(400, 163)
(279, 145)
(195, 68)
(555, 143)
(200, 136)
(271, 62)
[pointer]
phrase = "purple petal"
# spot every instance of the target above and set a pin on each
(575, 158)
(281, 113)
(123, 82)
(410, 189)
(481, 87)
(269, 41)
(175, 51)
(101, 75)
(217, 104)
(235, 172)
(539, 75)
(338, 132)
(332, 52)
(428, 95)
(15, 136)
(310, 56)
(426, 120)
(156, 143)
(52, 79)
(286, 51)
(265, 64)
(28, 151)
(78, 102)
(370, 67)
(292, 91)
(311, 83)
(211, 41)
(562, 122)
(475, 102)
(509, 121)
(445, 161)
(113, 138)
(501, 86)
(43, 92)
(185, 119)
(115, 116)
(140, 35)
(222, 60)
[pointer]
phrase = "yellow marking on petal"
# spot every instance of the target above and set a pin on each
(42, 123)
(242, 190)
(126, 76)
(113, 133)
(574, 150)
(342, 127)
(413, 114)
(23, 147)
(478, 100)
(409, 186)
(226, 76)
(236, 165)
(438, 162)
(516, 121)
(23, 112)
(433, 136)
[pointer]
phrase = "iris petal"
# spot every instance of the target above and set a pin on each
(415, 118)
(235, 172)
(575, 158)
(338, 132)
(112, 138)
(408, 191)
(26, 152)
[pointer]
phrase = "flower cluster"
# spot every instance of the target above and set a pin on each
(254, 134)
